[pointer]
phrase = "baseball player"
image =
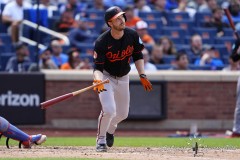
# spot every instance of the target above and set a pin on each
(10, 131)
(112, 55)
(236, 123)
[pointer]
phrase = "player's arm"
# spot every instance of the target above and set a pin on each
(98, 72)
(235, 55)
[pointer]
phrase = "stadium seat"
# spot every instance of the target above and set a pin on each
(4, 59)
(228, 32)
(223, 51)
(168, 59)
(174, 32)
(175, 40)
(227, 41)
(187, 25)
(201, 17)
(31, 15)
(94, 14)
(6, 39)
(206, 33)
(86, 48)
(177, 16)
(194, 67)
(150, 15)
(87, 57)
(154, 26)
(3, 27)
(96, 25)
(163, 66)
(187, 40)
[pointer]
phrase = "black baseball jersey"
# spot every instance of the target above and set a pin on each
(114, 55)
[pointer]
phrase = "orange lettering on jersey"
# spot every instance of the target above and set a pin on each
(112, 57)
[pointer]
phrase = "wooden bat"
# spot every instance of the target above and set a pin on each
(231, 22)
(46, 104)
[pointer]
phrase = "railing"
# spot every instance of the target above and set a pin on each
(43, 29)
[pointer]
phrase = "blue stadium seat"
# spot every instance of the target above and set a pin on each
(175, 40)
(228, 32)
(187, 40)
(3, 28)
(177, 16)
(174, 32)
(163, 66)
(94, 14)
(96, 25)
(223, 51)
(86, 57)
(206, 33)
(154, 26)
(31, 15)
(56, 14)
(187, 25)
(6, 39)
(4, 59)
(202, 17)
(168, 59)
(150, 15)
(86, 48)
(226, 41)
(194, 67)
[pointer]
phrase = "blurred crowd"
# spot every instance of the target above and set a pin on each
(82, 21)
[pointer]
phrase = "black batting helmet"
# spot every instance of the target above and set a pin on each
(112, 13)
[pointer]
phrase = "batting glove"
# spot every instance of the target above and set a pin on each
(99, 88)
(145, 82)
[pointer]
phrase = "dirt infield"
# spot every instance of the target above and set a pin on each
(121, 153)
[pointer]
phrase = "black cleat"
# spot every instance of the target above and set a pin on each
(101, 148)
(110, 139)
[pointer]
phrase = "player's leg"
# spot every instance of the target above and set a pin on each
(10, 131)
(107, 113)
(122, 99)
(236, 123)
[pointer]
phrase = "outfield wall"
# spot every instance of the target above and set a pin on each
(206, 98)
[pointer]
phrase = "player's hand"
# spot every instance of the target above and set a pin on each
(145, 82)
(99, 88)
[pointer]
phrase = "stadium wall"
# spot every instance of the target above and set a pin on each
(204, 98)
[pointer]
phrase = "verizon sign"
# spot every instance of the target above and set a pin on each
(20, 97)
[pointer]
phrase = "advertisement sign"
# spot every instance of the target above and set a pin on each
(20, 97)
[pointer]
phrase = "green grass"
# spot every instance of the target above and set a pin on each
(142, 142)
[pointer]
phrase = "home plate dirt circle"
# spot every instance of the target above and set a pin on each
(121, 153)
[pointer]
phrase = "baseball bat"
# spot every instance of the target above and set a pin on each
(229, 17)
(46, 104)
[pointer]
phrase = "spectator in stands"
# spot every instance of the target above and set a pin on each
(171, 4)
(233, 66)
(97, 5)
(75, 62)
(58, 57)
(160, 5)
(211, 5)
(110, 3)
(196, 46)
(216, 21)
(234, 9)
(12, 15)
(148, 66)
(199, 5)
(81, 34)
(141, 28)
(168, 46)
(66, 22)
(141, 6)
(46, 4)
(45, 59)
(209, 57)
(74, 6)
(157, 55)
(181, 62)
(182, 7)
(21, 61)
(131, 18)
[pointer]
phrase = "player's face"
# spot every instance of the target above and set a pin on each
(118, 23)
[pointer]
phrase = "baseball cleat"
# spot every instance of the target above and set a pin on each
(235, 135)
(35, 139)
(110, 139)
(101, 148)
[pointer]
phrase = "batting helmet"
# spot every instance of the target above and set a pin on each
(112, 13)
